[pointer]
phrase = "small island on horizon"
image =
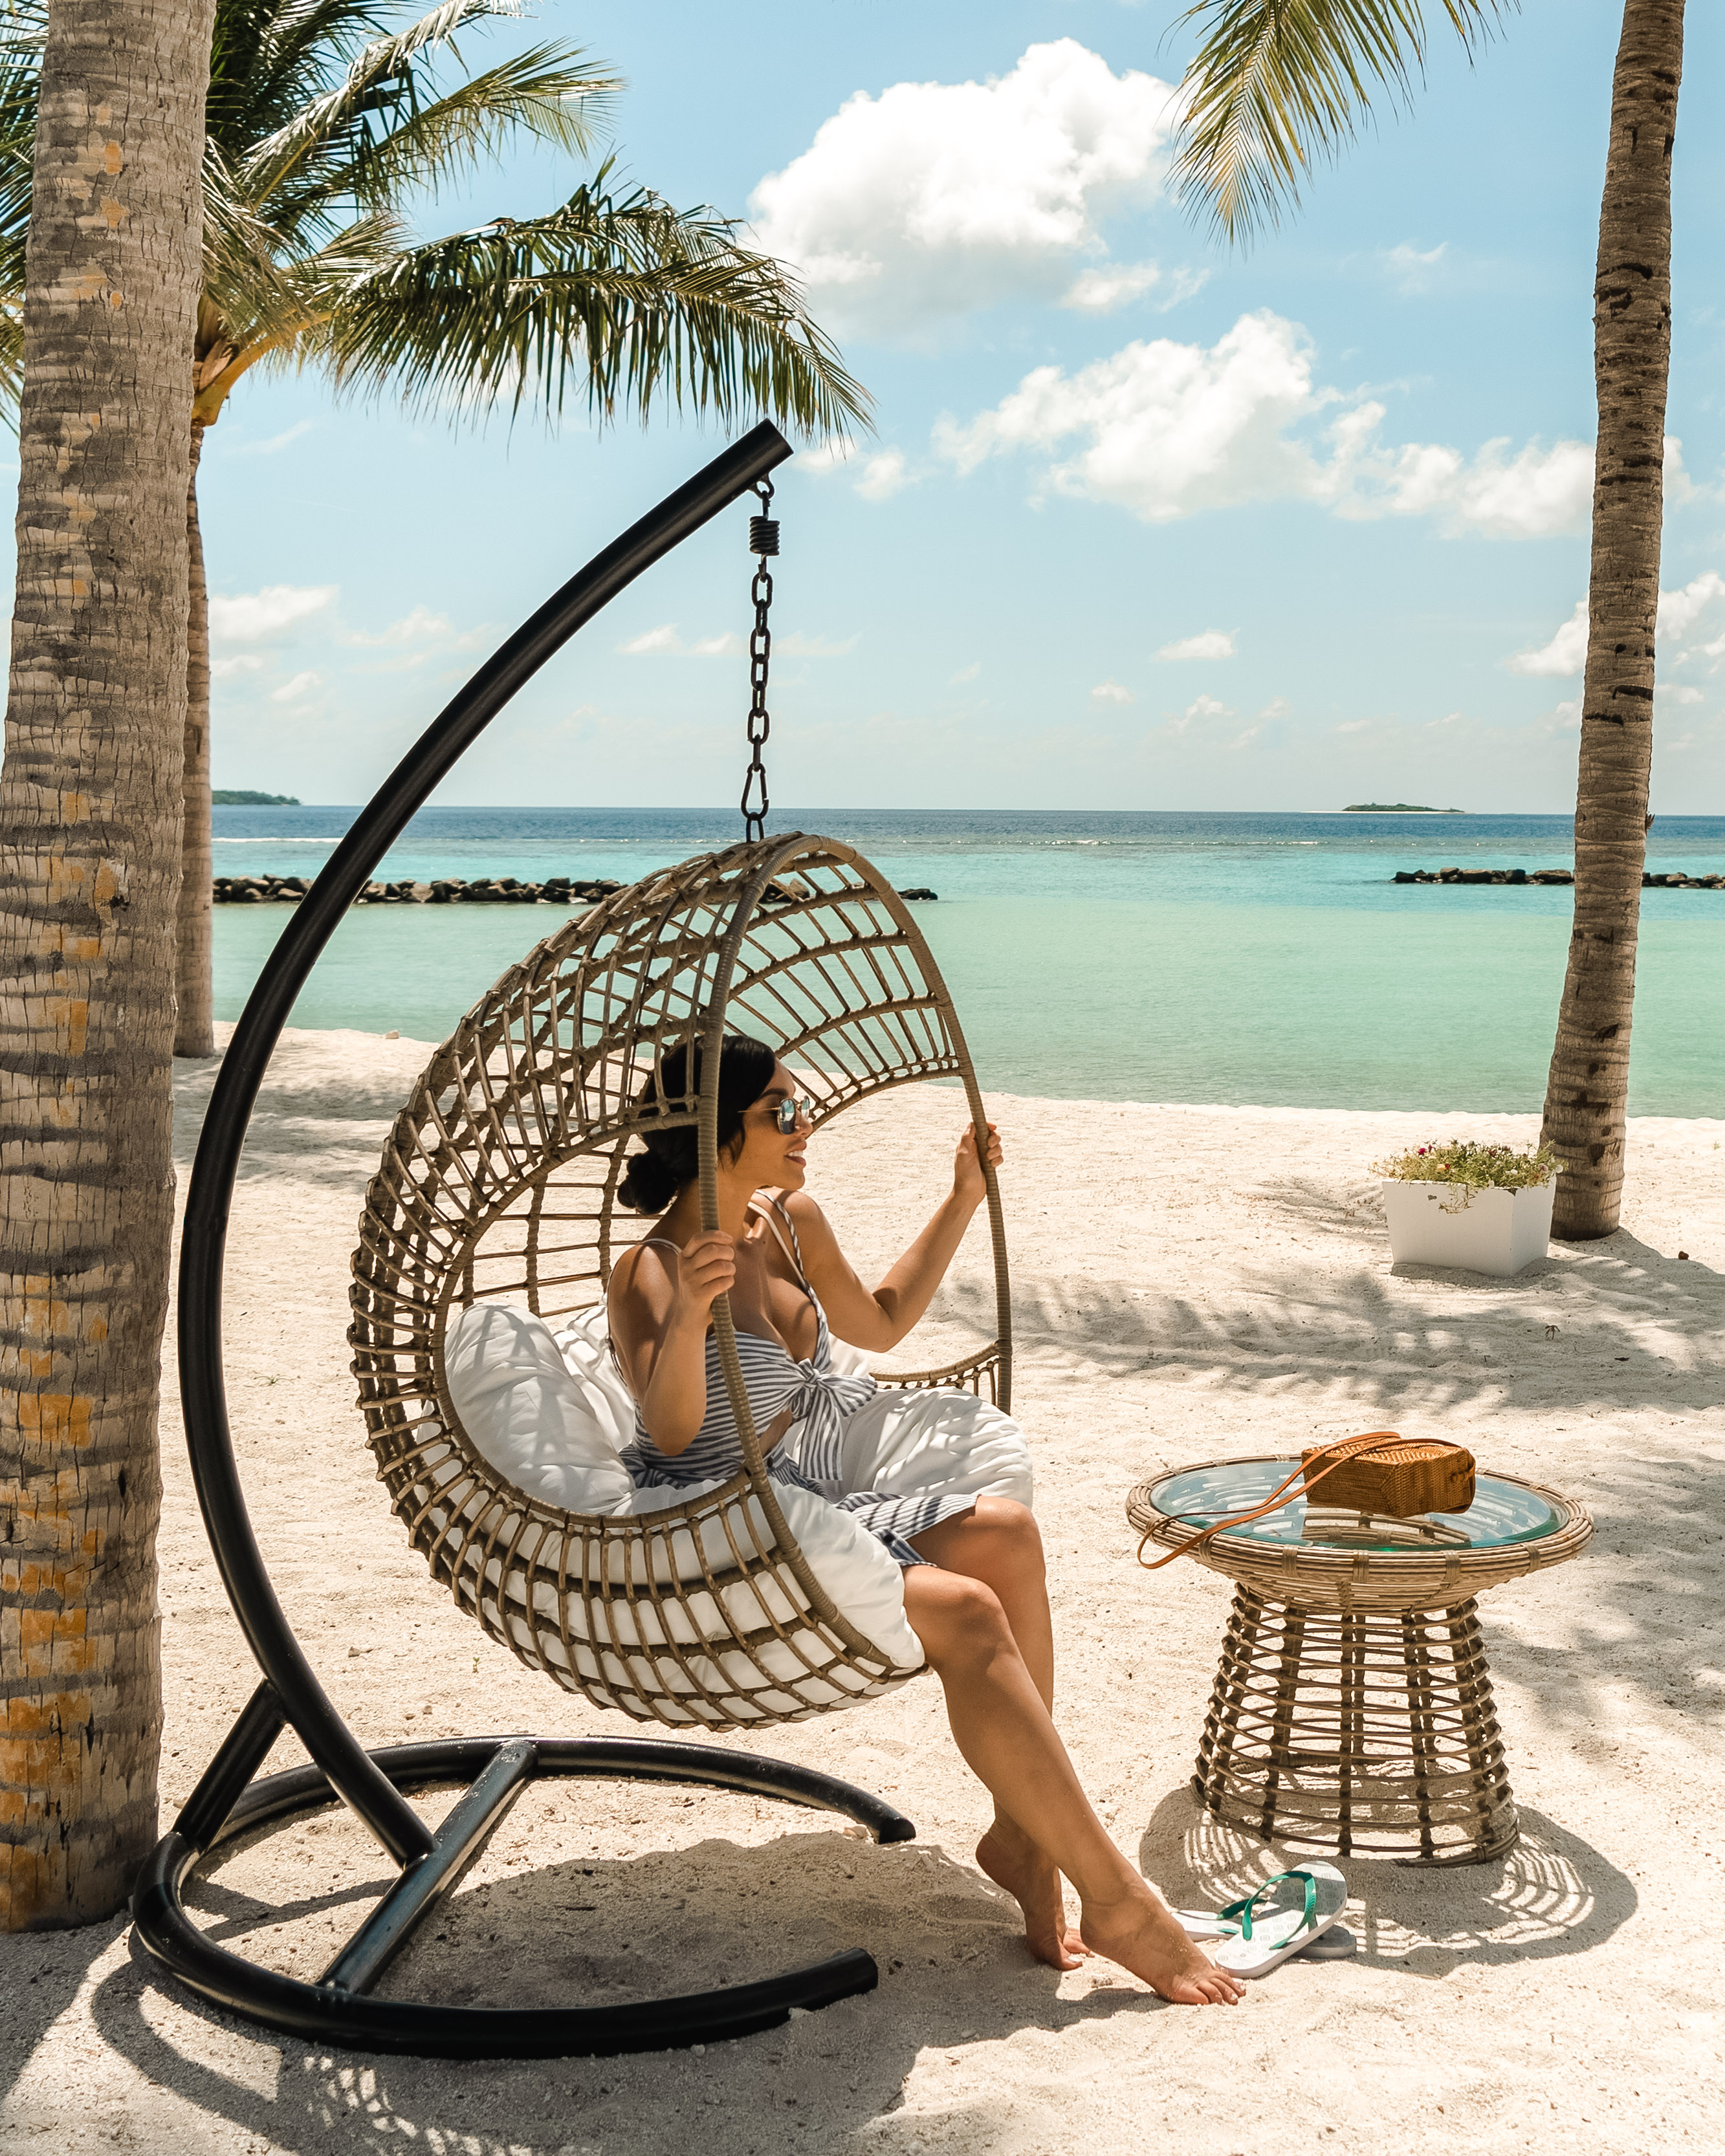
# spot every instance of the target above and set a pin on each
(240, 797)
(1397, 809)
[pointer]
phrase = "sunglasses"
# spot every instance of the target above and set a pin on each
(794, 1109)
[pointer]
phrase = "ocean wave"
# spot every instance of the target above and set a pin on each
(298, 838)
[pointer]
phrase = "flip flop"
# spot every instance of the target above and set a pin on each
(1308, 1900)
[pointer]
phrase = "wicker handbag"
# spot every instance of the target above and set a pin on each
(1380, 1472)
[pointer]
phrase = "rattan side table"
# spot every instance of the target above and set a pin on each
(1352, 1708)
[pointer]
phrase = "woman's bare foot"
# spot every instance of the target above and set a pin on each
(1014, 1862)
(1141, 1933)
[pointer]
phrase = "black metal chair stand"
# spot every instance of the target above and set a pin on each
(493, 1771)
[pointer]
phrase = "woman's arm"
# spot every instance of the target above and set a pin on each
(660, 1307)
(880, 1320)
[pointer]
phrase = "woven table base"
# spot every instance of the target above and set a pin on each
(1370, 1733)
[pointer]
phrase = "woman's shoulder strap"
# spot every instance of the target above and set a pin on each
(772, 1209)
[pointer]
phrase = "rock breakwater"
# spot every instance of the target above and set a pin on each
(1649, 882)
(447, 890)
(451, 890)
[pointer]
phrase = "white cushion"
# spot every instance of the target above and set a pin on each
(552, 1433)
(550, 1413)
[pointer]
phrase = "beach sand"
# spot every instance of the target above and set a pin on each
(1189, 1282)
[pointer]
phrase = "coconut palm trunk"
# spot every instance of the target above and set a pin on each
(194, 1026)
(1587, 1093)
(89, 840)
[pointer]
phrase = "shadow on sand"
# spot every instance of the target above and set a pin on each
(953, 1972)
(1550, 1895)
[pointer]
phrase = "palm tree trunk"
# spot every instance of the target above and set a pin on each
(194, 1028)
(1586, 1093)
(90, 836)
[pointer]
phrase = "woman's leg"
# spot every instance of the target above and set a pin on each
(1004, 1732)
(999, 1544)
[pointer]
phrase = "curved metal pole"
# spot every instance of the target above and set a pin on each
(353, 1775)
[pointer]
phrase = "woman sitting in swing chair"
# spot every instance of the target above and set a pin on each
(974, 1588)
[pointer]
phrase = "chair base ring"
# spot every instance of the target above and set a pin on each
(330, 2012)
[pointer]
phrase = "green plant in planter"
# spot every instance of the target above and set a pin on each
(1466, 1167)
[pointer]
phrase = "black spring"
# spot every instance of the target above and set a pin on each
(763, 535)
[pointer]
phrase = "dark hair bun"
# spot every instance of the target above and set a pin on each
(650, 1183)
(673, 1157)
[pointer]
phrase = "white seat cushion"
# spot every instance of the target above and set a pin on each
(550, 1412)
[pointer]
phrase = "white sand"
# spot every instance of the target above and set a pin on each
(1189, 1282)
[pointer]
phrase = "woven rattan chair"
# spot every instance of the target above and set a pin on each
(499, 1182)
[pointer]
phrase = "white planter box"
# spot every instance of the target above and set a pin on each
(1499, 1232)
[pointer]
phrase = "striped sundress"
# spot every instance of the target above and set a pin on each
(808, 1456)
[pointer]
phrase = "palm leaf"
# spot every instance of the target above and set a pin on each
(269, 57)
(23, 29)
(1277, 84)
(381, 129)
(628, 298)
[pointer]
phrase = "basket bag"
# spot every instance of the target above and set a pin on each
(1379, 1472)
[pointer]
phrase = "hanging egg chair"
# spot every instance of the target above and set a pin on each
(499, 1183)
(496, 1194)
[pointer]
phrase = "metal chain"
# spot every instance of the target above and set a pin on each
(763, 541)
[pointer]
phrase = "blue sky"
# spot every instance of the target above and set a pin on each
(1144, 524)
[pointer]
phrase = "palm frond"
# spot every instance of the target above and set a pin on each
(24, 26)
(383, 128)
(267, 57)
(258, 290)
(1277, 84)
(627, 299)
(11, 360)
(248, 280)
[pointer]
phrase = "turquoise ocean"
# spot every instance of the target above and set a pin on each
(1261, 959)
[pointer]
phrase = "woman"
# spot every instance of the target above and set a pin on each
(974, 1587)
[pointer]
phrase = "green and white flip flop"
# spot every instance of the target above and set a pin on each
(1281, 1918)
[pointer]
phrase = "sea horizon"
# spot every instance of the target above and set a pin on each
(1227, 958)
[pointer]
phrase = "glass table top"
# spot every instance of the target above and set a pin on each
(1501, 1512)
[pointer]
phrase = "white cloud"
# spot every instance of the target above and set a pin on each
(1208, 707)
(1671, 692)
(1566, 653)
(1678, 613)
(935, 199)
(1165, 430)
(291, 692)
(275, 442)
(1680, 610)
(967, 673)
(664, 642)
(1533, 495)
(1410, 269)
(883, 476)
(1111, 692)
(1100, 292)
(418, 626)
(256, 614)
(1208, 643)
(1277, 707)
(243, 662)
